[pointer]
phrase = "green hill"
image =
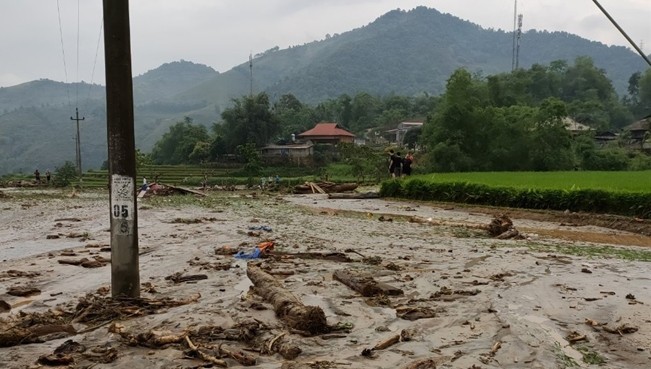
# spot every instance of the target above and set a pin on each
(401, 53)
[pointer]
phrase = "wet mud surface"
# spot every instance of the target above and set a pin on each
(572, 293)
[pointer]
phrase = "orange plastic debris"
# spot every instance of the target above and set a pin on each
(266, 246)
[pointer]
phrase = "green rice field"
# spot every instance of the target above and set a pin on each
(639, 181)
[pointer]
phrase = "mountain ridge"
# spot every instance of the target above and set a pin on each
(403, 52)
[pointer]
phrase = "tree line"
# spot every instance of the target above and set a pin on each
(509, 121)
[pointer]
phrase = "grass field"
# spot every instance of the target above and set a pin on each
(639, 181)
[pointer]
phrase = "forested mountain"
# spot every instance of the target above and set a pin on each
(401, 53)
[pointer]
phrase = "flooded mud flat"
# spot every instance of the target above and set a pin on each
(370, 283)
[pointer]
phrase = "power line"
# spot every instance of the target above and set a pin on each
(63, 52)
(77, 72)
(622, 32)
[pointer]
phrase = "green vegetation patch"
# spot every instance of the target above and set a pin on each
(518, 196)
(590, 251)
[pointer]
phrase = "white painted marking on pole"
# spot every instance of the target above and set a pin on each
(122, 199)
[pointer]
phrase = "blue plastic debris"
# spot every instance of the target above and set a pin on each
(249, 255)
(260, 228)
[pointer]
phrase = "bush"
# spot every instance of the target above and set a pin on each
(64, 175)
(588, 200)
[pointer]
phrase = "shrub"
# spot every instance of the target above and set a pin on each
(64, 175)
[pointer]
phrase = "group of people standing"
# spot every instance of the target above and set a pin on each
(37, 176)
(399, 166)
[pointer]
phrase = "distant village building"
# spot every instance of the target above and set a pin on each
(402, 129)
(297, 153)
(575, 127)
(328, 133)
(639, 132)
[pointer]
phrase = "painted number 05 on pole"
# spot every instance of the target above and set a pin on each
(122, 195)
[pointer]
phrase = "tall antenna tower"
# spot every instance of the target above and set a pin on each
(517, 47)
(515, 17)
(251, 74)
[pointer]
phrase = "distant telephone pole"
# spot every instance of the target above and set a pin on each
(515, 18)
(251, 74)
(78, 142)
(125, 269)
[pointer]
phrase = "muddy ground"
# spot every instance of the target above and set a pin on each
(572, 293)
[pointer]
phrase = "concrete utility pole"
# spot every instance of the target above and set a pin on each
(78, 142)
(125, 273)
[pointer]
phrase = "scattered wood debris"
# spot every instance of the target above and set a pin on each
(621, 330)
(331, 256)
(365, 284)
(288, 308)
(23, 291)
(12, 273)
(324, 187)
(178, 277)
(501, 227)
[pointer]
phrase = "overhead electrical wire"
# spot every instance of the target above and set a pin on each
(77, 72)
(63, 52)
(621, 30)
(92, 74)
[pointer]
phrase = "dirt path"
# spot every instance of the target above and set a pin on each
(491, 303)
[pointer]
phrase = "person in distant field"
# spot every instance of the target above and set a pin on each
(48, 176)
(397, 165)
(406, 163)
(392, 156)
(37, 176)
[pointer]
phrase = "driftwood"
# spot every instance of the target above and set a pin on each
(269, 344)
(202, 354)
(184, 190)
(332, 256)
(240, 356)
(387, 343)
(288, 308)
(363, 195)
(326, 187)
(421, 364)
(180, 278)
(365, 284)
(23, 291)
(36, 334)
(415, 312)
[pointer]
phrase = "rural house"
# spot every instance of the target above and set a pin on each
(329, 133)
(402, 129)
(638, 133)
(297, 153)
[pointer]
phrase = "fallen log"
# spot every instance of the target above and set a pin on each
(326, 187)
(365, 284)
(331, 256)
(287, 307)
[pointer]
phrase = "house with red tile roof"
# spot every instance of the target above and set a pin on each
(330, 133)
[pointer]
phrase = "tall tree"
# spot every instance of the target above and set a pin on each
(249, 120)
(179, 142)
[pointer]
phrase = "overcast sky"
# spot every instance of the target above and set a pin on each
(222, 33)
